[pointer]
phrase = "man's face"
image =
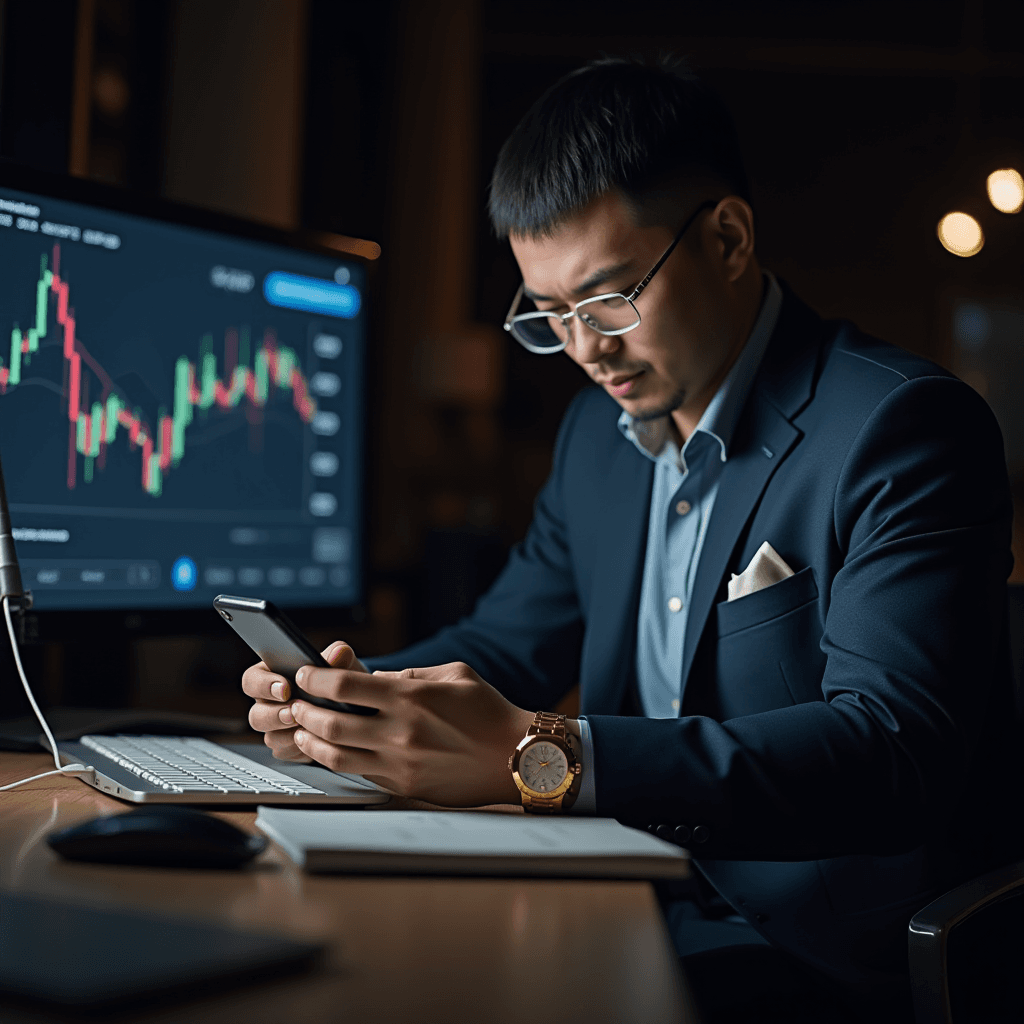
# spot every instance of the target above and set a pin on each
(690, 330)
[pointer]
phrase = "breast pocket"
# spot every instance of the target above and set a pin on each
(768, 653)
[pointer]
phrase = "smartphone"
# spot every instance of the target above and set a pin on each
(269, 632)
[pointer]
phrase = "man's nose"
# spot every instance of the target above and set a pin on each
(590, 346)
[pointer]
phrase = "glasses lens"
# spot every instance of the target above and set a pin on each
(608, 314)
(540, 333)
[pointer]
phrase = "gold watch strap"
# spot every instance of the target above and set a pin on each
(547, 723)
(542, 806)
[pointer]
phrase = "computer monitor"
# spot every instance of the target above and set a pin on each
(181, 403)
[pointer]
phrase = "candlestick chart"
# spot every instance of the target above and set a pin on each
(100, 414)
(181, 405)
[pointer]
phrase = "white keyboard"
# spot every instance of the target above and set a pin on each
(181, 764)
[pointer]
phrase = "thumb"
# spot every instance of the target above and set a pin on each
(341, 655)
(338, 654)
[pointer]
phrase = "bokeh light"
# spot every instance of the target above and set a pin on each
(961, 234)
(1006, 190)
(110, 91)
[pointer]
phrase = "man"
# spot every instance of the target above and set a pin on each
(828, 734)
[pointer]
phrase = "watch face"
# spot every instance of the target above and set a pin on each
(542, 767)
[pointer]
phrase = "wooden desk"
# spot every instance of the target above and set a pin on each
(399, 949)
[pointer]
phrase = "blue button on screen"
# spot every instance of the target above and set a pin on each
(311, 295)
(184, 574)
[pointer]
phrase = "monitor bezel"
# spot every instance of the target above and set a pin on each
(51, 624)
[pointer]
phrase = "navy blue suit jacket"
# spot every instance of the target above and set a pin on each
(845, 734)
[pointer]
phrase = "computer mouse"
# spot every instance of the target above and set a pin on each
(167, 836)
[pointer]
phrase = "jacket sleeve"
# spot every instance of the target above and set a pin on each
(525, 634)
(921, 520)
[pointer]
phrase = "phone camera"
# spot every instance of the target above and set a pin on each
(227, 615)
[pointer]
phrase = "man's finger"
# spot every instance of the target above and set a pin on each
(270, 716)
(453, 670)
(337, 727)
(282, 745)
(335, 653)
(345, 685)
(259, 682)
(338, 759)
(340, 655)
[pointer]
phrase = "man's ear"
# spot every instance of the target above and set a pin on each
(730, 235)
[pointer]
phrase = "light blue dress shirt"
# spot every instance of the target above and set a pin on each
(682, 499)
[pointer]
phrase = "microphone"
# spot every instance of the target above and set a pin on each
(10, 574)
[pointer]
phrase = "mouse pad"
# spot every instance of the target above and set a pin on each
(93, 959)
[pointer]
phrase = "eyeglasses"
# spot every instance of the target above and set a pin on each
(546, 332)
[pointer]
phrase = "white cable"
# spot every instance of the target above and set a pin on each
(24, 680)
(68, 769)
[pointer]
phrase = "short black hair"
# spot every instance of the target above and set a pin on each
(641, 128)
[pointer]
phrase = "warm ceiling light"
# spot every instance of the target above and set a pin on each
(1006, 190)
(961, 234)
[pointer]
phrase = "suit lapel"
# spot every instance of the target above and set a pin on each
(763, 438)
(766, 441)
(607, 661)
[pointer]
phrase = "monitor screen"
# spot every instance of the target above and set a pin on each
(180, 409)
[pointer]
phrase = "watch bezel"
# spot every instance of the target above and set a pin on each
(570, 776)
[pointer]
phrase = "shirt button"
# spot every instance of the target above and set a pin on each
(675, 705)
(682, 507)
(675, 604)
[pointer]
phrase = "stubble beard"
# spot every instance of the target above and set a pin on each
(666, 407)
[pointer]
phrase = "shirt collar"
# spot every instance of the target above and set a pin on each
(653, 437)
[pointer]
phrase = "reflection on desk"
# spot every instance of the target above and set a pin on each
(399, 949)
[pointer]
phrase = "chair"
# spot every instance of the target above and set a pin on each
(967, 947)
(979, 929)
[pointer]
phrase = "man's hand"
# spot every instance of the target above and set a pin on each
(441, 734)
(270, 714)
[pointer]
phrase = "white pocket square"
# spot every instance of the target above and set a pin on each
(766, 568)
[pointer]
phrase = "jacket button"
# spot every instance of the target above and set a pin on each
(681, 834)
(664, 832)
(701, 834)
(653, 829)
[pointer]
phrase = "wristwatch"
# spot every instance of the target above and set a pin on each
(544, 766)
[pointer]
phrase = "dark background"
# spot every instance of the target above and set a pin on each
(862, 123)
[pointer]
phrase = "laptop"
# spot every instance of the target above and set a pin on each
(188, 770)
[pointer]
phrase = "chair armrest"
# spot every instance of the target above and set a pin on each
(929, 935)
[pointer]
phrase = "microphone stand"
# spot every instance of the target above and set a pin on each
(11, 588)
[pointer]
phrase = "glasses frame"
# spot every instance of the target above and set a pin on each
(512, 318)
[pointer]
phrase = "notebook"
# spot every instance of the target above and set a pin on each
(469, 843)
